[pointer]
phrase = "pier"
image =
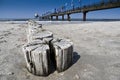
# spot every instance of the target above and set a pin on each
(83, 9)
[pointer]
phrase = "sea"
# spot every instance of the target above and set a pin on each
(26, 19)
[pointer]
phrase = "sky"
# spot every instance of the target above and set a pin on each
(27, 8)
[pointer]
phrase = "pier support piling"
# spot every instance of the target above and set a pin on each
(51, 17)
(68, 17)
(45, 18)
(42, 17)
(84, 16)
(56, 17)
(62, 17)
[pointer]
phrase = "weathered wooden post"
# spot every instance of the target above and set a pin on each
(33, 28)
(42, 50)
(34, 23)
(40, 35)
(62, 49)
(37, 55)
(35, 32)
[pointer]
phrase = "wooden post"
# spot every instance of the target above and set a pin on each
(40, 35)
(35, 32)
(34, 24)
(42, 50)
(63, 51)
(37, 56)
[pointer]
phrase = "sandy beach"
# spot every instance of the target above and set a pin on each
(96, 50)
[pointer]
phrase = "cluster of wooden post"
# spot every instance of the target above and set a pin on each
(42, 50)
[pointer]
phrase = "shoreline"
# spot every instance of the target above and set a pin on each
(53, 22)
(26, 19)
